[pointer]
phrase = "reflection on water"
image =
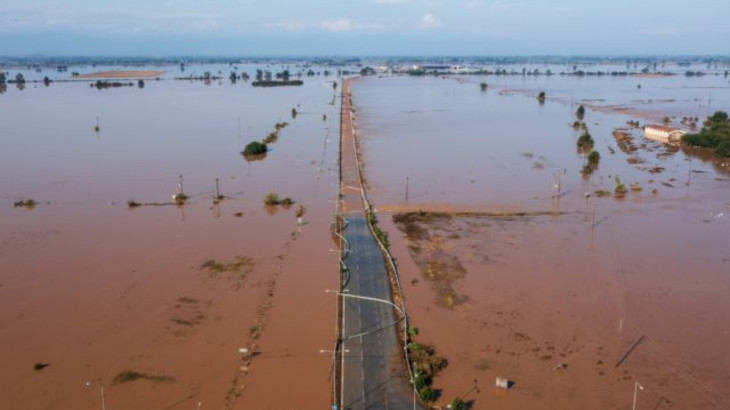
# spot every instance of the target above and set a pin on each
(255, 157)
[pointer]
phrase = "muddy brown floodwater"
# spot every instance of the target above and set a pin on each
(166, 306)
(573, 298)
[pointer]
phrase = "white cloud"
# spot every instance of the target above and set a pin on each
(391, 1)
(336, 25)
(473, 4)
(429, 21)
(289, 25)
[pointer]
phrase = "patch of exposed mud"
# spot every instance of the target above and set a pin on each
(425, 233)
(429, 235)
(625, 141)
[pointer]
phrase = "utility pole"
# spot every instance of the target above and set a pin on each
(593, 227)
(557, 196)
(637, 387)
(406, 190)
(101, 387)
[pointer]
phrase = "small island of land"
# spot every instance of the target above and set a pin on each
(120, 74)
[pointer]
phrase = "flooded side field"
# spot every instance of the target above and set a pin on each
(515, 264)
(166, 305)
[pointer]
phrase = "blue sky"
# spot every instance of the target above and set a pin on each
(364, 27)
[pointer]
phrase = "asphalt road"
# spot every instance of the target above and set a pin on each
(374, 376)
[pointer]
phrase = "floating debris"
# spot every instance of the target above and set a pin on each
(503, 383)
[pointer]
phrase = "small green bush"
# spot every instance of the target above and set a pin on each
(255, 148)
(271, 138)
(620, 190)
(427, 394)
(28, 203)
(457, 404)
(281, 125)
(271, 199)
(592, 163)
(585, 142)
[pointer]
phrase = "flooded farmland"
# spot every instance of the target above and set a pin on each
(166, 306)
(513, 265)
(516, 266)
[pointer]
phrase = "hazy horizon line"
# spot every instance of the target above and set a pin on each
(343, 56)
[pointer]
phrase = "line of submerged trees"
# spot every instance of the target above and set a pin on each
(585, 143)
(548, 72)
(20, 81)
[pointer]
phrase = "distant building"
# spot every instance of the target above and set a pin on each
(661, 133)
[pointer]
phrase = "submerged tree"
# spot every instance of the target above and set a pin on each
(541, 97)
(255, 148)
(580, 113)
(284, 75)
(458, 404)
(592, 163)
(620, 190)
(585, 142)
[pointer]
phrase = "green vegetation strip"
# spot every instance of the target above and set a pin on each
(131, 375)
(27, 203)
(715, 135)
(426, 365)
(236, 265)
(273, 199)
